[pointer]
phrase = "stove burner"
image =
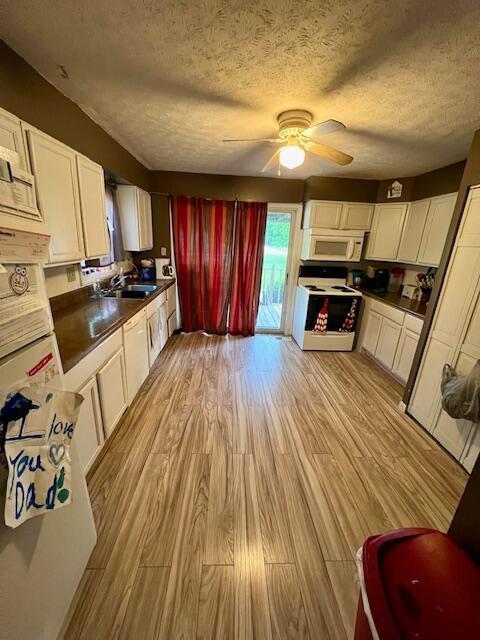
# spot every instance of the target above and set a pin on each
(340, 288)
(314, 287)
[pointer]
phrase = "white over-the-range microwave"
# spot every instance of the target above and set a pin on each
(329, 244)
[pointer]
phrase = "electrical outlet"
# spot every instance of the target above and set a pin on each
(163, 251)
(71, 273)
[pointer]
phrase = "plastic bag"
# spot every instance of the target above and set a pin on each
(461, 394)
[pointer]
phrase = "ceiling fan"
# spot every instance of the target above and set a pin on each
(296, 134)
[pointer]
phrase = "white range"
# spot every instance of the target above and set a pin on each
(326, 310)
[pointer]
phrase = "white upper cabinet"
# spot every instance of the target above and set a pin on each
(91, 184)
(357, 215)
(412, 231)
(387, 227)
(55, 169)
(330, 214)
(11, 137)
(322, 214)
(436, 228)
(135, 210)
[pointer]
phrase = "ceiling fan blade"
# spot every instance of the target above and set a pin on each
(328, 152)
(322, 128)
(254, 140)
(271, 162)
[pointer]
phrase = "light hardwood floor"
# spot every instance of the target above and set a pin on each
(238, 487)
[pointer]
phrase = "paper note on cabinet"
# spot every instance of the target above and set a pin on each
(40, 424)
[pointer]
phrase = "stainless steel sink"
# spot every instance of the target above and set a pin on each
(126, 293)
(130, 291)
(149, 288)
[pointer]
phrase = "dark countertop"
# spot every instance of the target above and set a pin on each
(414, 307)
(82, 322)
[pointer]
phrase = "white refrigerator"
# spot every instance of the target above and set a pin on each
(41, 561)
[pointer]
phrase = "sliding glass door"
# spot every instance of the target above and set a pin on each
(276, 259)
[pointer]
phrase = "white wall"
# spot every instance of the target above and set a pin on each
(62, 279)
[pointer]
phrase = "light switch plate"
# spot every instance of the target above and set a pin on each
(71, 273)
(163, 251)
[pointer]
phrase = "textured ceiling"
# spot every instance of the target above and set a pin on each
(169, 79)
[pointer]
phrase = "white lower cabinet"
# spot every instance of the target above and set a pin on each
(390, 336)
(407, 345)
(172, 309)
(172, 324)
(163, 321)
(112, 389)
(372, 331)
(135, 343)
(388, 342)
(89, 430)
(154, 345)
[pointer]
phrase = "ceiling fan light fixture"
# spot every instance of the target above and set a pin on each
(292, 156)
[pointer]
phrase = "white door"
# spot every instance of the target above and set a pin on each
(92, 200)
(388, 342)
(11, 137)
(412, 231)
(453, 434)
(386, 231)
(426, 397)
(357, 215)
(372, 331)
(54, 166)
(405, 353)
(436, 229)
(277, 289)
(113, 392)
(135, 342)
(89, 430)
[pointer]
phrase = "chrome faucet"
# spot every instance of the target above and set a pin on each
(118, 279)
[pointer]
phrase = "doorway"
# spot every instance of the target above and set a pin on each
(277, 265)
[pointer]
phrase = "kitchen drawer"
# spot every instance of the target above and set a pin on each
(388, 312)
(413, 323)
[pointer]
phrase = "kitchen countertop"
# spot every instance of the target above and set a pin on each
(82, 322)
(414, 307)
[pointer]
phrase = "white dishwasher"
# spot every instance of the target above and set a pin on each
(135, 344)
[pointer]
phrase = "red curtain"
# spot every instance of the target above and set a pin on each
(203, 241)
(251, 220)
